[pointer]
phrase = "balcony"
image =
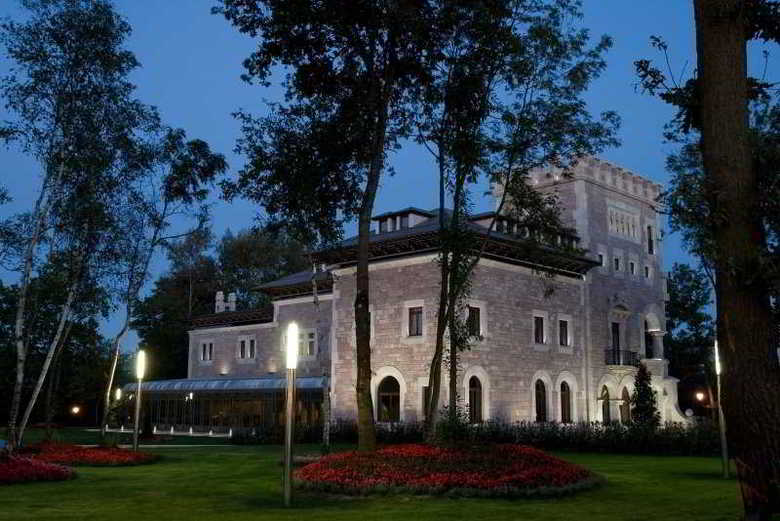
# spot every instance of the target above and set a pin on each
(621, 357)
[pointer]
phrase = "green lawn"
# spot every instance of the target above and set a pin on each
(236, 483)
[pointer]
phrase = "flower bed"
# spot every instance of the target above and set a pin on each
(17, 469)
(68, 454)
(493, 471)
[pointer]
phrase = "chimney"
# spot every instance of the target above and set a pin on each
(231, 303)
(220, 303)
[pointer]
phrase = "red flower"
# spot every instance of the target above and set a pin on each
(68, 454)
(18, 469)
(425, 468)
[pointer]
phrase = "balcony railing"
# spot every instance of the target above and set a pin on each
(621, 357)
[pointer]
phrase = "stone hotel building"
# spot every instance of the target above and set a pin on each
(566, 356)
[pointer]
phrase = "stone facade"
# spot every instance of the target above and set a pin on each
(614, 314)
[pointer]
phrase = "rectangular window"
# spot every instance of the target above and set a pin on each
(650, 245)
(404, 222)
(647, 272)
(601, 259)
(204, 352)
(307, 342)
(617, 263)
(616, 336)
(539, 330)
(383, 226)
(415, 321)
(251, 348)
(472, 322)
(242, 349)
(211, 351)
(563, 332)
(632, 268)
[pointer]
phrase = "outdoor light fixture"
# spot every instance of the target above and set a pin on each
(75, 410)
(700, 396)
(118, 394)
(724, 450)
(292, 363)
(140, 370)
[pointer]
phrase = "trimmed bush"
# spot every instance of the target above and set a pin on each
(480, 471)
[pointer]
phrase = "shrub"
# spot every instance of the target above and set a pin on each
(485, 471)
(18, 469)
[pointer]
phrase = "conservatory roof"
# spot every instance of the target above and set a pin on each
(226, 385)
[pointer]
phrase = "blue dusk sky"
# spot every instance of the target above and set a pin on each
(191, 62)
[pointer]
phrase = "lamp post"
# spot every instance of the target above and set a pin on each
(724, 449)
(140, 369)
(292, 362)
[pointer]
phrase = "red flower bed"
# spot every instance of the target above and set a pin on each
(67, 454)
(17, 469)
(500, 470)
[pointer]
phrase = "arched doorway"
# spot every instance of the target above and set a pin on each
(625, 407)
(389, 400)
(540, 392)
(475, 400)
(606, 417)
(565, 403)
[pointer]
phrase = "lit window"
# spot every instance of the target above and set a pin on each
(307, 345)
(415, 321)
(539, 330)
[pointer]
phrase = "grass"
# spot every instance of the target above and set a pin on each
(243, 483)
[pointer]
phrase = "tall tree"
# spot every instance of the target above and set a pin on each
(352, 67)
(644, 412)
(505, 99)
(74, 112)
(175, 177)
(715, 104)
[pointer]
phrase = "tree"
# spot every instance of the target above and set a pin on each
(255, 256)
(644, 412)
(352, 69)
(716, 106)
(174, 182)
(74, 112)
(505, 99)
(690, 328)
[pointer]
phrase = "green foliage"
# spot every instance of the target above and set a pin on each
(644, 413)
(453, 426)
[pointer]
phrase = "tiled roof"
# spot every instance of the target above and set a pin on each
(234, 318)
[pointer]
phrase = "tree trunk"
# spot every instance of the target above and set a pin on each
(64, 316)
(115, 347)
(366, 426)
(54, 383)
(751, 378)
(39, 217)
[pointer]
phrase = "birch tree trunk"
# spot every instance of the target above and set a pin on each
(64, 316)
(40, 213)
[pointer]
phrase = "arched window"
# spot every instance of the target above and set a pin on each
(625, 407)
(565, 403)
(389, 400)
(541, 401)
(475, 400)
(605, 414)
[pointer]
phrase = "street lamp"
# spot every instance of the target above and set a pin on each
(724, 449)
(140, 369)
(699, 396)
(118, 394)
(292, 363)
